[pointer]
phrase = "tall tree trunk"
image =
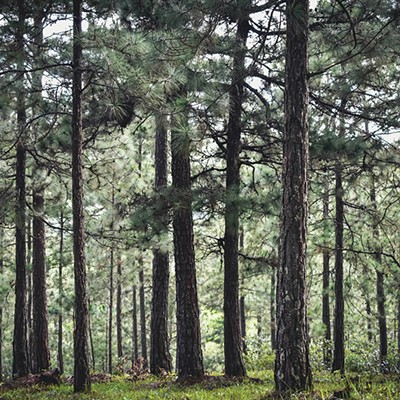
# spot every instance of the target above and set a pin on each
(272, 302)
(380, 281)
(292, 365)
(81, 359)
(242, 300)
(233, 349)
(41, 352)
(189, 357)
(160, 358)
(110, 309)
(29, 293)
(135, 348)
(20, 340)
(398, 326)
(326, 316)
(1, 299)
(91, 338)
(60, 358)
(142, 300)
(119, 307)
(338, 353)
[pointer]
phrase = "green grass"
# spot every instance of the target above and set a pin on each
(363, 387)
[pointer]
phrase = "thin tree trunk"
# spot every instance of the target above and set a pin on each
(368, 310)
(119, 307)
(143, 333)
(242, 300)
(160, 358)
(110, 310)
(380, 281)
(135, 348)
(81, 359)
(189, 358)
(338, 353)
(326, 316)
(20, 340)
(41, 352)
(60, 358)
(91, 338)
(29, 293)
(233, 349)
(1, 300)
(398, 326)
(272, 302)
(292, 365)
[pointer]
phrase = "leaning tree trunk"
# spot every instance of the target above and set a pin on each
(160, 358)
(380, 281)
(189, 357)
(20, 343)
(233, 346)
(338, 351)
(81, 359)
(326, 315)
(292, 365)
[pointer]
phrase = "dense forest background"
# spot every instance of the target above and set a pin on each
(182, 124)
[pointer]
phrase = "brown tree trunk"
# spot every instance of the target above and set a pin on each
(135, 348)
(81, 359)
(110, 310)
(338, 352)
(272, 302)
(326, 316)
(142, 306)
(160, 358)
(380, 281)
(40, 345)
(233, 348)
(189, 357)
(20, 340)
(292, 365)
(60, 358)
(119, 307)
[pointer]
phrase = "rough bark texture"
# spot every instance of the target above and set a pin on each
(292, 365)
(380, 282)
(338, 352)
(60, 358)
(326, 316)
(233, 348)
(160, 358)
(81, 361)
(189, 359)
(110, 310)
(135, 349)
(142, 306)
(40, 345)
(119, 307)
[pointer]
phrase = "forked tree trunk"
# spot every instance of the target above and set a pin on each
(326, 316)
(160, 358)
(81, 359)
(233, 345)
(292, 365)
(189, 357)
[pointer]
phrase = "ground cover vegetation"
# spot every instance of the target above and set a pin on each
(199, 199)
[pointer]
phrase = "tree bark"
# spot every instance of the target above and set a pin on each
(398, 326)
(20, 340)
(142, 306)
(292, 365)
(189, 357)
(272, 299)
(110, 309)
(60, 358)
(233, 346)
(326, 316)
(160, 358)
(1, 300)
(119, 307)
(81, 359)
(380, 283)
(338, 353)
(135, 348)
(40, 345)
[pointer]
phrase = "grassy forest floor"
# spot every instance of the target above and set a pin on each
(257, 386)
